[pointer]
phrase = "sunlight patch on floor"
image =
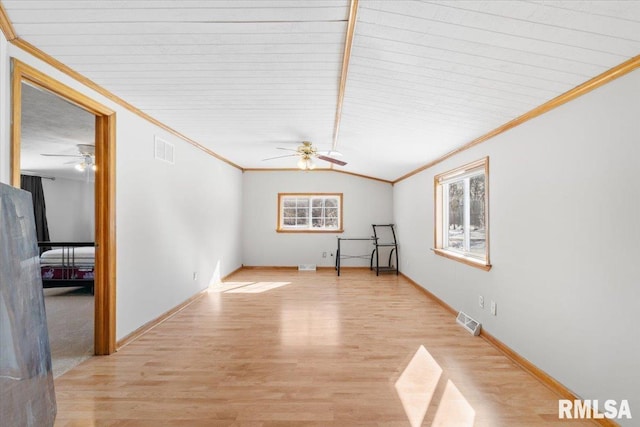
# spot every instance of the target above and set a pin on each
(416, 385)
(453, 410)
(226, 286)
(257, 288)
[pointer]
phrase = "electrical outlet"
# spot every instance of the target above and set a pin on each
(324, 254)
(481, 301)
(494, 308)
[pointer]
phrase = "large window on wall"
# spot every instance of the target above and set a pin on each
(462, 214)
(310, 212)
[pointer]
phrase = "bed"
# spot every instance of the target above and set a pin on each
(65, 264)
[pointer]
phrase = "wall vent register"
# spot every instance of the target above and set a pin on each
(164, 150)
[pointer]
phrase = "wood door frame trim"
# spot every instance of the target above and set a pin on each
(105, 278)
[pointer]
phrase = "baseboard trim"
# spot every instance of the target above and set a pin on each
(295, 267)
(430, 295)
(546, 379)
(525, 364)
(158, 320)
(232, 273)
(550, 382)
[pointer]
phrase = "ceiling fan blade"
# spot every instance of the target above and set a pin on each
(286, 149)
(72, 162)
(279, 157)
(332, 160)
(62, 155)
(330, 153)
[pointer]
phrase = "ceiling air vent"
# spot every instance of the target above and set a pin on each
(468, 323)
(164, 150)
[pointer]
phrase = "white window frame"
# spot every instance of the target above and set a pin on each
(309, 228)
(441, 214)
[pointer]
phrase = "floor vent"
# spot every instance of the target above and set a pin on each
(306, 267)
(468, 323)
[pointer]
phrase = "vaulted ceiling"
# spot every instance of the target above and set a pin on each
(245, 77)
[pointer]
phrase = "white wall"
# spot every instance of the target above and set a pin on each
(565, 249)
(70, 209)
(171, 221)
(365, 202)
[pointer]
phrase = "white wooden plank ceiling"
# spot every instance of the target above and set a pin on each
(245, 77)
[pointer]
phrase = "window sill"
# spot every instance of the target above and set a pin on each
(463, 259)
(281, 230)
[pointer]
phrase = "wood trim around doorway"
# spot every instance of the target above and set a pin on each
(105, 285)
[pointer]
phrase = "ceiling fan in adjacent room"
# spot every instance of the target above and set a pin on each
(307, 152)
(86, 157)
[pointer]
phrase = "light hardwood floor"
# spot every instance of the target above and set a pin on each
(319, 350)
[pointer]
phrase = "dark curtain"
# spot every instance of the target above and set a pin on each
(33, 184)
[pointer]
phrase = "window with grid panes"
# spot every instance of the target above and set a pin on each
(310, 212)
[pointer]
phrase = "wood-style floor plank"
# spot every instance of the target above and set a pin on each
(319, 351)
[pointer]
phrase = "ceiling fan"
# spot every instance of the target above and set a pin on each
(86, 157)
(307, 152)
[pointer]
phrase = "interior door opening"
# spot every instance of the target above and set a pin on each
(61, 179)
(97, 164)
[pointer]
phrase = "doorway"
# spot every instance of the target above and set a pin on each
(104, 189)
(54, 135)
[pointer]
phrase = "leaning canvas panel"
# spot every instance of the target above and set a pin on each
(27, 396)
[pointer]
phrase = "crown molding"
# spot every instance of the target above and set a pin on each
(316, 170)
(586, 87)
(6, 26)
(41, 55)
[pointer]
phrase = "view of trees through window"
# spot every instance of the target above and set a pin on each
(296, 212)
(324, 213)
(461, 220)
(303, 212)
(466, 220)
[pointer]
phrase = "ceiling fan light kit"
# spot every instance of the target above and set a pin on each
(307, 152)
(82, 166)
(86, 153)
(306, 164)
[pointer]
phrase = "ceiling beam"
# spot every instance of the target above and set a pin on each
(351, 28)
